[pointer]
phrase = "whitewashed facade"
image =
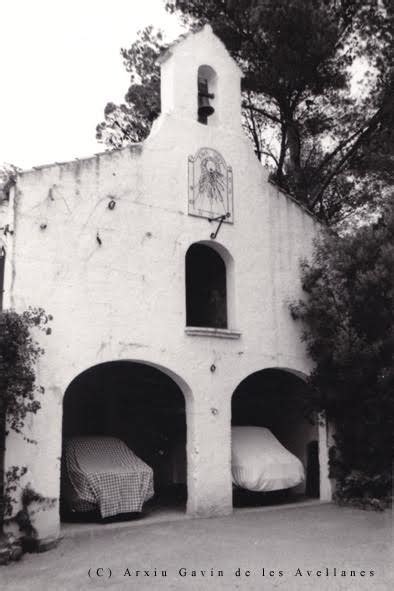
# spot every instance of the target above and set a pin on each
(101, 243)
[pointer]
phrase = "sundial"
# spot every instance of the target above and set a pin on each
(210, 181)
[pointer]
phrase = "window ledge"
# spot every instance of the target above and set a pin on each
(221, 333)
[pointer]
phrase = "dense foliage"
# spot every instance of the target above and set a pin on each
(131, 121)
(325, 143)
(349, 320)
(19, 353)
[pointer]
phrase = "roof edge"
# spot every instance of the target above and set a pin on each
(137, 146)
(168, 52)
(300, 205)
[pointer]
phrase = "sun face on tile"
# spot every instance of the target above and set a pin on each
(210, 185)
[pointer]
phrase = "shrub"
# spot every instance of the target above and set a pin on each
(19, 392)
(349, 334)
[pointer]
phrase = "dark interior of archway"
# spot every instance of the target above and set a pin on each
(143, 407)
(206, 298)
(275, 399)
(265, 396)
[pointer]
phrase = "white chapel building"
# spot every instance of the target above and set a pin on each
(168, 267)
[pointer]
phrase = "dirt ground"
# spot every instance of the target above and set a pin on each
(320, 547)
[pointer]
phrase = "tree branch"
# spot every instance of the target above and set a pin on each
(282, 153)
(271, 155)
(372, 124)
(340, 147)
(261, 111)
(252, 128)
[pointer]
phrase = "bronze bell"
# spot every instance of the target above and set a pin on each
(205, 109)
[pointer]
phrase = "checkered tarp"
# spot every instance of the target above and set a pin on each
(104, 472)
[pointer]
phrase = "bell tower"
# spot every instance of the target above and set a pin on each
(200, 81)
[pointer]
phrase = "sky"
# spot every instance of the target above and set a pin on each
(60, 64)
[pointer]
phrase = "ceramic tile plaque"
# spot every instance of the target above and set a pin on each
(210, 186)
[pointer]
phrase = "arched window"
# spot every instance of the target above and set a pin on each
(206, 289)
(206, 87)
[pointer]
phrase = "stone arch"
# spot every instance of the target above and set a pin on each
(272, 398)
(104, 400)
(296, 372)
(75, 370)
(255, 368)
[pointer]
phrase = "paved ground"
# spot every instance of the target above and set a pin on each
(263, 543)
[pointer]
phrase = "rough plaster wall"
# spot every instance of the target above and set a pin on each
(125, 297)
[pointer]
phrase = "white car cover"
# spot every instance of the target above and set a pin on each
(259, 462)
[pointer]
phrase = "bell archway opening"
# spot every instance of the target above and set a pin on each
(274, 400)
(207, 95)
(140, 406)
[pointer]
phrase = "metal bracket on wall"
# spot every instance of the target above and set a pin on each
(219, 219)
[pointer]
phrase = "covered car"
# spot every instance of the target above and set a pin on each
(103, 473)
(259, 462)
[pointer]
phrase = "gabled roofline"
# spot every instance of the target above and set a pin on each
(168, 52)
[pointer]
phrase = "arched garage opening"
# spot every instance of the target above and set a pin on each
(274, 399)
(142, 407)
